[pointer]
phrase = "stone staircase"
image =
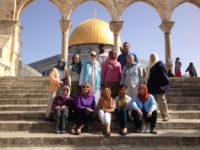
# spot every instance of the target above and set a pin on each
(23, 102)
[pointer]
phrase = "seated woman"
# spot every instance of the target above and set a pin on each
(62, 106)
(122, 107)
(106, 106)
(85, 111)
(144, 107)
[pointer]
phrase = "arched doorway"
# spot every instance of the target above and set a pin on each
(41, 34)
(186, 35)
(141, 29)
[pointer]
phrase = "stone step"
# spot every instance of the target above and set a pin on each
(185, 91)
(21, 101)
(23, 107)
(183, 95)
(24, 79)
(183, 100)
(37, 115)
(22, 91)
(44, 126)
(22, 115)
(184, 106)
(25, 87)
(16, 96)
(102, 147)
(163, 138)
(41, 107)
(39, 101)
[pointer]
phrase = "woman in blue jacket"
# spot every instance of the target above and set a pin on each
(144, 107)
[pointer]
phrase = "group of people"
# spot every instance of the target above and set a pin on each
(106, 85)
(191, 69)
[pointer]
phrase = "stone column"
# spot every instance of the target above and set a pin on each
(166, 27)
(115, 27)
(65, 27)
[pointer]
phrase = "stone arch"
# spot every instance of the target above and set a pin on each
(156, 5)
(23, 4)
(107, 5)
(193, 2)
(186, 33)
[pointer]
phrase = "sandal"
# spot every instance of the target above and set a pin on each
(78, 131)
(73, 131)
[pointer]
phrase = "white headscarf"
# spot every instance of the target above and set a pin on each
(91, 60)
(67, 87)
(151, 64)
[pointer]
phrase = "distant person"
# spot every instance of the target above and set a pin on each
(112, 72)
(74, 74)
(91, 73)
(158, 83)
(178, 67)
(170, 74)
(122, 58)
(144, 107)
(58, 78)
(131, 75)
(102, 54)
(192, 70)
(62, 107)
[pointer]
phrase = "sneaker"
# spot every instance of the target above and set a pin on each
(139, 130)
(165, 118)
(57, 131)
(62, 131)
(153, 131)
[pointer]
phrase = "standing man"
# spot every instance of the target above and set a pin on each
(122, 58)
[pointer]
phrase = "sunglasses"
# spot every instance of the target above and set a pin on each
(93, 55)
(85, 86)
(65, 89)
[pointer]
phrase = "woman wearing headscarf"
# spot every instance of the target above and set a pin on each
(144, 107)
(111, 72)
(58, 77)
(106, 106)
(192, 70)
(74, 73)
(158, 83)
(131, 76)
(178, 67)
(91, 73)
(62, 108)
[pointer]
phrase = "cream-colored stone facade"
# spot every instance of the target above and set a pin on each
(10, 29)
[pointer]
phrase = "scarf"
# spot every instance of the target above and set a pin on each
(122, 102)
(143, 98)
(76, 67)
(61, 68)
(113, 63)
(151, 64)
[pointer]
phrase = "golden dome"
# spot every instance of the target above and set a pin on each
(92, 31)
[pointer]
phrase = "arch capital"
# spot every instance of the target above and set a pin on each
(116, 26)
(65, 25)
(166, 26)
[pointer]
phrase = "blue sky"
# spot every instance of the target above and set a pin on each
(41, 35)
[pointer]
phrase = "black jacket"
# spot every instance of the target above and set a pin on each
(158, 78)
